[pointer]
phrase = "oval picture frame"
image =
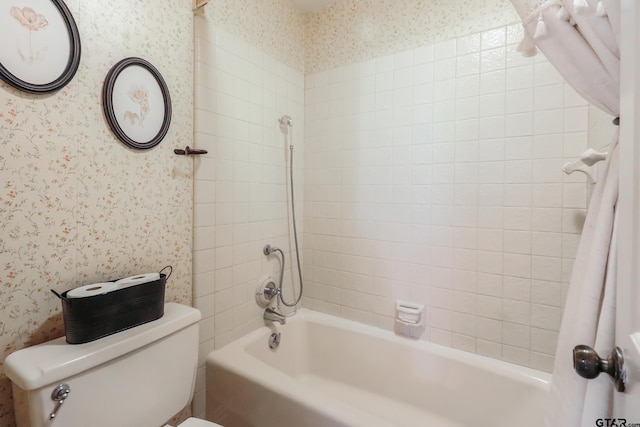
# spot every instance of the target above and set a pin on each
(136, 103)
(41, 48)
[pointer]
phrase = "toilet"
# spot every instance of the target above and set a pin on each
(140, 377)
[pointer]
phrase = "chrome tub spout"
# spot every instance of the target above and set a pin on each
(273, 316)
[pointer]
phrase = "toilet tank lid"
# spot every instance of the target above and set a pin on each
(53, 361)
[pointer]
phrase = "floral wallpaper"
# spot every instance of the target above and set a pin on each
(77, 205)
(273, 26)
(353, 30)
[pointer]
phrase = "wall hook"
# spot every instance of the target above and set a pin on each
(188, 151)
(585, 164)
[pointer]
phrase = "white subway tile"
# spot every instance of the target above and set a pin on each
(492, 105)
(423, 73)
(517, 265)
(517, 218)
(518, 148)
(441, 337)
(547, 219)
(423, 54)
(467, 65)
(518, 195)
(519, 101)
(576, 119)
(494, 38)
(492, 127)
(548, 146)
(468, 44)
(464, 324)
(490, 216)
(516, 355)
(490, 262)
(546, 317)
(547, 195)
(384, 81)
(489, 349)
(464, 302)
(547, 244)
(516, 335)
(445, 69)
(517, 288)
(547, 170)
(490, 239)
(542, 362)
(493, 59)
(492, 82)
(548, 121)
(549, 97)
(384, 64)
(490, 284)
(444, 90)
(468, 86)
(490, 195)
(544, 341)
(517, 242)
(490, 307)
(402, 78)
(575, 143)
(445, 49)
(489, 329)
(519, 124)
(468, 108)
(546, 268)
(491, 149)
(520, 77)
(464, 342)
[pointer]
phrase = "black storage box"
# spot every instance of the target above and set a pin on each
(90, 318)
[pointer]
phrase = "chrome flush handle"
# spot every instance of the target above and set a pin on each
(59, 395)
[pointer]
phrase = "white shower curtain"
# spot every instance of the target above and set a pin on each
(581, 38)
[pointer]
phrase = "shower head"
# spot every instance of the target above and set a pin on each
(285, 121)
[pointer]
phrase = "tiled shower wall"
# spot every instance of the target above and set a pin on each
(240, 196)
(433, 175)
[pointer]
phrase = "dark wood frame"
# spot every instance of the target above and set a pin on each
(107, 103)
(72, 64)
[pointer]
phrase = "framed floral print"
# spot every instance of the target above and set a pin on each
(136, 103)
(40, 49)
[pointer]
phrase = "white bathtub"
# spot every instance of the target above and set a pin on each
(329, 371)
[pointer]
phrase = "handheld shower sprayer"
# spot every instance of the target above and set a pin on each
(286, 125)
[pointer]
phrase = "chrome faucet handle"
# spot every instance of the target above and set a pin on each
(270, 291)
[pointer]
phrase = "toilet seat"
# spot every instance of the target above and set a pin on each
(196, 422)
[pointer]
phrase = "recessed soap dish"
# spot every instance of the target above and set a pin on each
(409, 318)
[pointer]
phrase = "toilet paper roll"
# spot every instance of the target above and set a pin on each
(137, 280)
(91, 290)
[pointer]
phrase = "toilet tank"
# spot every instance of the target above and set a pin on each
(140, 377)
